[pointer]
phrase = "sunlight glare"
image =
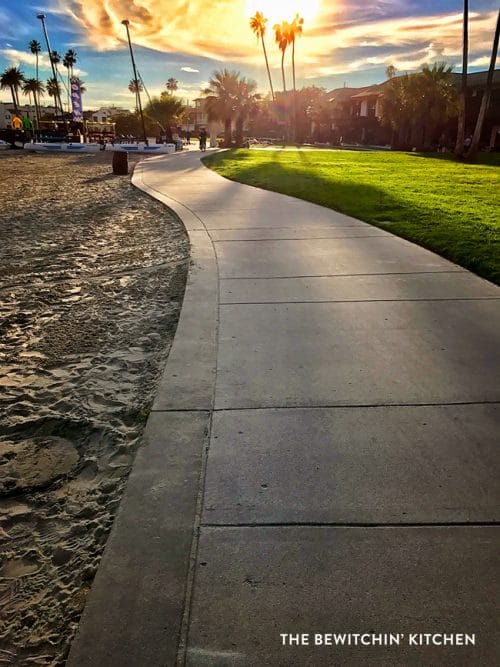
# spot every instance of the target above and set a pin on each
(283, 10)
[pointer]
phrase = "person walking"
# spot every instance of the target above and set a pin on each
(203, 139)
(16, 122)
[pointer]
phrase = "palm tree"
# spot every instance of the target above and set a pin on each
(37, 89)
(222, 99)
(12, 78)
(281, 35)
(35, 49)
(436, 98)
(136, 87)
(247, 105)
(69, 61)
(486, 95)
(294, 30)
(390, 71)
(459, 146)
(258, 26)
(54, 90)
(55, 58)
(172, 85)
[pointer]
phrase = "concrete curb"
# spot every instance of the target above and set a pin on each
(136, 612)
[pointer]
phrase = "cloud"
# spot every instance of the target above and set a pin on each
(339, 39)
(19, 58)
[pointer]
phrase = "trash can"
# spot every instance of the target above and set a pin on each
(120, 163)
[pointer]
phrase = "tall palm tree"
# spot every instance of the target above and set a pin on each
(294, 30)
(486, 95)
(172, 85)
(281, 36)
(258, 26)
(35, 48)
(55, 58)
(12, 78)
(435, 98)
(459, 146)
(222, 99)
(69, 61)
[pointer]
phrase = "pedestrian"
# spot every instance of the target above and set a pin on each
(188, 137)
(203, 139)
(27, 126)
(16, 122)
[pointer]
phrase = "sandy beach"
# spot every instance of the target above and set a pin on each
(92, 275)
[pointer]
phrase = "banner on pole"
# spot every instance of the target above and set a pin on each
(76, 100)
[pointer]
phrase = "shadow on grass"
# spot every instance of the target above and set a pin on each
(474, 246)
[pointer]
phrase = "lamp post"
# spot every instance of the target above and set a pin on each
(54, 73)
(125, 22)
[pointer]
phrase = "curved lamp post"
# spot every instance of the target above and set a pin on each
(126, 23)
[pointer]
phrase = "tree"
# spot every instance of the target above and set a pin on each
(390, 71)
(294, 30)
(172, 85)
(37, 89)
(471, 155)
(136, 87)
(54, 90)
(55, 59)
(69, 62)
(12, 78)
(459, 146)
(247, 104)
(164, 111)
(222, 99)
(258, 26)
(35, 49)
(281, 32)
(437, 99)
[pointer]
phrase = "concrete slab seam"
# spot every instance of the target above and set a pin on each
(180, 209)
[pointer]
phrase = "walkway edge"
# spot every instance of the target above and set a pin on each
(137, 609)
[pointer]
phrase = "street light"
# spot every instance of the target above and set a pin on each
(54, 74)
(125, 22)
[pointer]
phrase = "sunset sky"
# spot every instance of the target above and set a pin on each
(344, 41)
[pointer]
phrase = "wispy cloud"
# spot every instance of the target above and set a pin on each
(189, 69)
(20, 58)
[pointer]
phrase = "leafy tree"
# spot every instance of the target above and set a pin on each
(258, 26)
(12, 78)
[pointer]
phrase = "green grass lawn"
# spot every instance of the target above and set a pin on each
(450, 207)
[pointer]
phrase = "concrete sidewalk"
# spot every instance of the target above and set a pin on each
(327, 428)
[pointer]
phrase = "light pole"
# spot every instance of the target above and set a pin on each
(125, 22)
(54, 73)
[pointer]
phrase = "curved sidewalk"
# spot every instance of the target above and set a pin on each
(327, 429)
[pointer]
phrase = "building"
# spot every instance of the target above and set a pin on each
(356, 112)
(7, 110)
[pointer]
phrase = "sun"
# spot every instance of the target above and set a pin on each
(283, 10)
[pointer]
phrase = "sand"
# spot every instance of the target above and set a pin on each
(92, 275)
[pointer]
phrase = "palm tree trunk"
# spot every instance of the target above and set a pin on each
(14, 99)
(227, 132)
(267, 67)
(294, 129)
(283, 69)
(486, 96)
(459, 146)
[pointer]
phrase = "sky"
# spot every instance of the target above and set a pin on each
(344, 42)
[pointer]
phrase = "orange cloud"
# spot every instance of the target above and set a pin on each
(331, 42)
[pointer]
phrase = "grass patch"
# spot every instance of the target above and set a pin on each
(447, 206)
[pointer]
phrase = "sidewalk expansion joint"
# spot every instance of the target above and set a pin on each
(354, 406)
(305, 238)
(265, 303)
(353, 524)
(344, 275)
